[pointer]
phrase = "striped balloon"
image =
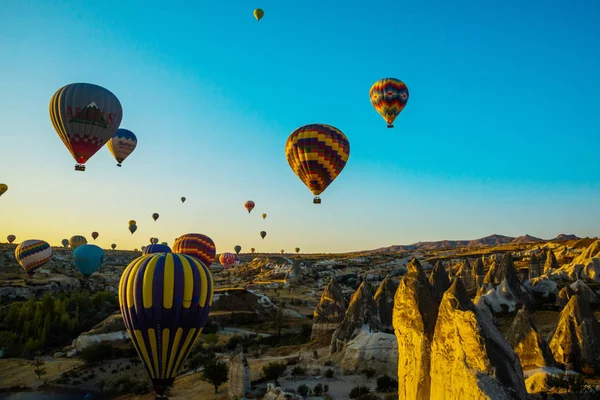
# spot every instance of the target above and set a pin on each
(227, 260)
(317, 154)
(156, 248)
(196, 245)
(77, 241)
(389, 97)
(32, 254)
(122, 144)
(165, 300)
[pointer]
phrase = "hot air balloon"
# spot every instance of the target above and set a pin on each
(249, 205)
(258, 14)
(155, 216)
(88, 258)
(281, 251)
(95, 235)
(227, 260)
(157, 248)
(317, 154)
(297, 250)
(32, 254)
(252, 250)
(389, 97)
(85, 117)
(154, 240)
(122, 144)
(113, 246)
(132, 228)
(143, 247)
(237, 249)
(164, 243)
(77, 241)
(183, 199)
(264, 216)
(65, 242)
(3, 188)
(196, 245)
(132, 222)
(263, 234)
(11, 238)
(165, 300)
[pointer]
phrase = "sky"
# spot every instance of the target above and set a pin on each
(500, 134)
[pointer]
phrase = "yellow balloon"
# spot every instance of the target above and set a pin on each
(258, 14)
(132, 222)
(3, 188)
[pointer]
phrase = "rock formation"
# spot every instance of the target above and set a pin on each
(528, 343)
(439, 280)
(277, 393)
(585, 266)
(376, 350)
(465, 273)
(550, 264)
(470, 359)
(415, 313)
(496, 272)
(294, 275)
(581, 288)
(239, 374)
(535, 267)
(329, 313)
(510, 294)
(384, 299)
(478, 272)
(564, 296)
(576, 341)
(362, 310)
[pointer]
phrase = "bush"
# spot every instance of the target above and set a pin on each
(386, 384)
(317, 371)
(303, 390)
(329, 373)
(368, 372)
(298, 371)
(273, 371)
(326, 388)
(318, 389)
(328, 363)
(358, 391)
(96, 353)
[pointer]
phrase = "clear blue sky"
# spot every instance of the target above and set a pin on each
(500, 134)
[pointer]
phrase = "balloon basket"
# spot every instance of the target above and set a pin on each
(390, 125)
(79, 167)
(118, 165)
(317, 200)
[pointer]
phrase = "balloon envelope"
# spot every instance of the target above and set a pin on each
(85, 117)
(227, 260)
(122, 144)
(165, 300)
(132, 228)
(155, 216)
(249, 205)
(3, 188)
(297, 249)
(11, 238)
(264, 216)
(389, 97)
(77, 241)
(157, 248)
(263, 234)
(252, 250)
(258, 14)
(65, 242)
(196, 245)
(132, 222)
(183, 199)
(113, 246)
(95, 235)
(237, 249)
(32, 254)
(88, 258)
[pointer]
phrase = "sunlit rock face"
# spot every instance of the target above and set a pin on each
(586, 266)
(415, 313)
(239, 374)
(362, 310)
(550, 264)
(329, 313)
(470, 359)
(377, 350)
(384, 299)
(465, 273)
(576, 341)
(528, 343)
(439, 280)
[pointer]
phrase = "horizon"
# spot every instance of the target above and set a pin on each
(499, 134)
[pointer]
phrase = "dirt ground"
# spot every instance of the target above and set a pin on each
(19, 372)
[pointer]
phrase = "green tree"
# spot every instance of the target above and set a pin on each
(216, 373)
(273, 371)
(10, 345)
(278, 321)
(38, 370)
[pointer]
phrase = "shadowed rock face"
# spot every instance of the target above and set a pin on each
(509, 295)
(329, 313)
(465, 273)
(550, 263)
(470, 359)
(384, 299)
(361, 311)
(529, 345)
(478, 272)
(564, 296)
(439, 280)
(535, 267)
(415, 313)
(576, 340)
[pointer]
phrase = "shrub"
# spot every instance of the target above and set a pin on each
(96, 353)
(358, 391)
(326, 388)
(386, 384)
(368, 372)
(216, 373)
(318, 389)
(297, 371)
(303, 390)
(329, 373)
(273, 371)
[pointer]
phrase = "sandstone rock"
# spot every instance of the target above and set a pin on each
(329, 313)
(415, 313)
(579, 287)
(465, 273)
(294, 275)
(529, 345)
(510, 294)
(536, 381)
(564, 296)
(277, 393)
(478, 272)
(551, 264)
(535, 267)
(239, 374)
(576, 340)
(470, 359)
(439, 280)
(384, 299)
(376, 350)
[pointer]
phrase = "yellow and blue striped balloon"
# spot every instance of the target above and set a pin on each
(165, 299)
(77, 241)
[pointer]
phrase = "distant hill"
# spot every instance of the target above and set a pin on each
(528, 239)
(564, 237)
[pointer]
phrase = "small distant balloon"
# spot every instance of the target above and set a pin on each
(65, 242)
(143, 247)
(11, 238)
(95, 235)
(122, 144)
(264, 216)
(281, 251)
(258, 14)
(132, 222)
(249, 205)
(113, 246)
(155, 216)
(32, 254)
(157, 248)
(151, 240)
(389, 97)
(77, 241)
(3, 188)
(237, 249)
(132, 228)
(297, 250)
(88, 258)
(252, 250)
(263, 234)
(227, 260)
(154, 240)
(183, 199)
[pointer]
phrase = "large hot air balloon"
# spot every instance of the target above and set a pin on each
(32, 254)
(249, 205)
(95, 235)
(132, 228)
(389, 97)
(252, 250)
(258, 14)
(65, 242)
(227, 260)
(155, 216)
(264, 216)
(156, 248)
(3, 188)
(297, 249)
(85, 117)
(77, 241)
(165, 300)
(11, 238)
(183, 199)
(263, 234)
(237, 249)
(122, 144)
(317, 154)
(88, 258)
(196, 245)
(113, 246)
(132, 222)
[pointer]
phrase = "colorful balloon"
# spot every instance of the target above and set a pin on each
(65, 242)
(252, 250)
(113, 246)
(227, 260)
(122, 144)
(85, 117)
(317, 154)
(183, 199)
(237, 249)
(258, 14)
(297, 249)
(249, 205)
(3, 188)
(143, 247)
(263, 234)
(88, 258)
(157, 248)
(264, 216)
(11, 238)
(196, 245)
(32, 254)
(77, 241)
(389, 97)
(132, 222)
(155, 216)
(165, 300)
(132, 228)
(95, 235)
